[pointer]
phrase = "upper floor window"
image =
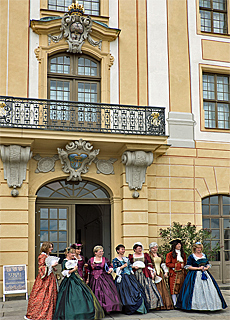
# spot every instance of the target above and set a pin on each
(92, 7)
(216, 101)
(73, 77)
(213, 15)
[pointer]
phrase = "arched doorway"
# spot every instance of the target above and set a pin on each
(73, 212)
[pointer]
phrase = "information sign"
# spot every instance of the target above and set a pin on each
(14, 280)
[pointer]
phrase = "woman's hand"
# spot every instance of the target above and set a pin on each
(87, 281)
(86, 265)
(166, 275)
(136, 267)
(182, 265)
(124, 266)
(110, 270)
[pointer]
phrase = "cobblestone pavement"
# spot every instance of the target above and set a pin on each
(16, 309)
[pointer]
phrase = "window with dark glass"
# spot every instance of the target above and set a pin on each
(213, 15)
(92, 7)
(216, 217)
(216, 101)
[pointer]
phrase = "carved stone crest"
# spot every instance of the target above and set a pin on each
(76, 29)
(45, 164)
(15, 159)
(76, 158)
(105, 166)
(136, 163)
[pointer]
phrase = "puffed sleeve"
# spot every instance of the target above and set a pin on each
(148, 261)
(131, 258)
(89, 266)
(109, 264)
(42, 268)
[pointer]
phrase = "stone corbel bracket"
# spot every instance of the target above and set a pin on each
(15, 159)
(136, 163)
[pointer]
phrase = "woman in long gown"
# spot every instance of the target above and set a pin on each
(161, 272)
(131, 292)
(101, 281)
(175, 261)
(43, 296)
(80, 261)
(200, 290)
(142, 266)
(75, 299)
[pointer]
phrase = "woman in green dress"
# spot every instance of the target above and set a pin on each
(75, 299)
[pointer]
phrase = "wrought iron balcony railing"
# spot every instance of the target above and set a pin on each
(81, 116)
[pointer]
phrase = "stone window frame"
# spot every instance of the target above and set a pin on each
(54, 6)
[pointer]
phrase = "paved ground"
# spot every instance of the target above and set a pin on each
(15, 309)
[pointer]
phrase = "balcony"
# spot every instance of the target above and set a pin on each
(81, 116)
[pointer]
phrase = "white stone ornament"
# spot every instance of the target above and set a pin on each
(76, 158)
(136, 163)
(76, 29)
(105, 166)
(45, 164)
(15, 159)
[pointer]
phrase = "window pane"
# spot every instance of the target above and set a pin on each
(216, 234)
(53, 236)
(214, 200)
(214, 210)
(53, 213)
(43, 236)
(53, 224)
(226, 244)
(205, 210)
(62, 213)
(214, 223)
(62, 235)
(62, 224)
(226, 200)
(226, 209)
(62, 246)
(44, 213)
(226, 225)
(55, 247)
(227, 255)
(206, 223)
(44, 225)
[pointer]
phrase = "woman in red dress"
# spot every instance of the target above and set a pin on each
(175, 261)
(42, 301)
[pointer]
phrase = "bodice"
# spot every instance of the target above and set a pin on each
(157, 263)
(118, 263)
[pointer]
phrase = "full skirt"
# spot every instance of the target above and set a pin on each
(154, 299)
(76, 301)
(198, 294)
(42, 301)
(132, 294)
(106, 292)
(163, 289)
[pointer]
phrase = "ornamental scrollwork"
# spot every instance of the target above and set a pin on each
(75, 29)
(5, 113)
(77, 158)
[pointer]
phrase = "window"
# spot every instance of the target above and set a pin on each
(216, 213)
(213, 14)
(92, 7)
(216, 101)
(73, 78)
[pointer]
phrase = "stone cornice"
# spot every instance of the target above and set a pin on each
(43, 27)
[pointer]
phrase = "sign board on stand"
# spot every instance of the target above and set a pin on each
(14, 280)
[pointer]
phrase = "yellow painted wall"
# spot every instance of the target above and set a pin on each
(17, 67)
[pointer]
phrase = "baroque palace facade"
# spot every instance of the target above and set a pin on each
(114, 123)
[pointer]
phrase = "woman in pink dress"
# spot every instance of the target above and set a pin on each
(42, 301)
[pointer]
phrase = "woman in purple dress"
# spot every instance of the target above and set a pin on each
(101, 281)
(81, 261)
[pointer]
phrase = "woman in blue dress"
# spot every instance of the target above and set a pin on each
(131, 292)
(200, 290)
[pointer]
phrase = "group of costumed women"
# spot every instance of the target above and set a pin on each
(143, 281)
